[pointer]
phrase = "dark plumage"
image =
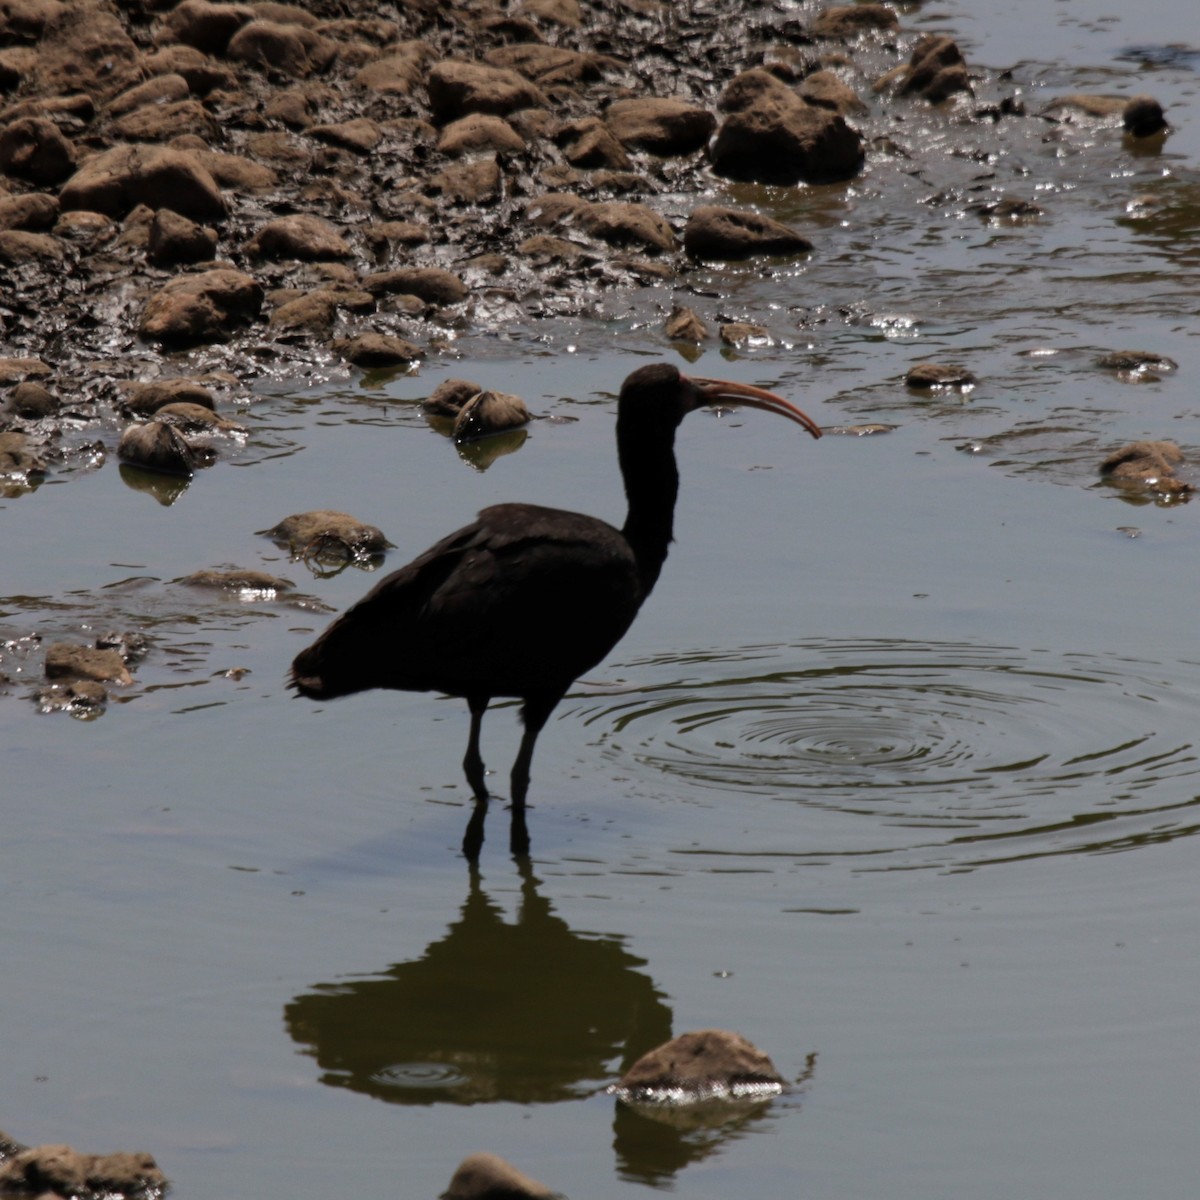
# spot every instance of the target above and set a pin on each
(525, 599)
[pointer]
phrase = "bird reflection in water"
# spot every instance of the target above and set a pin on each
(527, 1012)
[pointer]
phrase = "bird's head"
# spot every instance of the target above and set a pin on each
(660, 396)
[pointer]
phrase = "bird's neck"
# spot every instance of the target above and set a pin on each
(651, 486)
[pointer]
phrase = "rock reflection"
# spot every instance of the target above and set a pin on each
(166, 489)
(525, 1012)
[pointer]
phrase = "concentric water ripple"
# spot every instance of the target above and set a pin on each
(966, 753)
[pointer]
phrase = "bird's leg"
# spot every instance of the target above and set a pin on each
(472, 841)
(535, 712)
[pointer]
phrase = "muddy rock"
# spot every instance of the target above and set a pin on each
(925, 376)
(619, 223)
(705, 1065)
(1143, 117)
(207, 27)
(851, 20)
(191, 418)
(477, 181)
(1148, 466)
(448, 398)
(753, 88)
(312, 313)
(201, 74)
(194, 310)
(34, 149)
(714, 232)
(28, 20)
(431, 284)
(936, 70)
(458, 88)
(313, 533)
(61, 1171)
(83, 699)
(377, 350)
(67, 660)
(399, 71)
(158, 446)
(167, 88)
(546, 65)
(360, 135)
(18, 247)
(489, 1177)
(744, 333)
(1137, 364)
(488, 413)
(301, 236)
(19, 455)
(785, 141)
(238, 581)
(683, 325)
(477, 132)
(174, 240)
(31, 402)
(143, 399)
(293, 49)
(660, 126)
(160, 123)
(92, 56)
(825, 89)
(16, 370)
(33, 211)
(589, 144)
(116, 180)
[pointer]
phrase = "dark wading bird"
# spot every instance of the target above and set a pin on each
(525, 599)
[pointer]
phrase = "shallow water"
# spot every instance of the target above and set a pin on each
(895, 774)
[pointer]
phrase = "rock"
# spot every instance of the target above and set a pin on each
(939, 375)
(193, 310)
(480, 131)
(312, 313)
(824, 89)
(400, 71)
(547, 65)
(116, 180)
(294, 49)
(786, 141)
(683, 325)
(489, 1177)
(589, 143)
(660, 126)
(31, 402)
(1131, 364)
(66, 660)
(360, 135)
(458, 88)
(743, 333)
(709, 1064)
(623, 224)
(845, 21)
(554, 12)
(19, 455)
(477, 181)
(936, 70)
(166, 88)
(158, 123)
(18, 246)
(300, 236)
(60, 1171)
(33, 211)
(1150, 465)
(714, 232)
(14, 370)
(448, 398)
(157, 446)
(87, 227)
(431, 284)
(143, 399)
(174, 240)
(1143, 117)
(488, 413)
(34, 149)
(377, 350)
(207, 27)
(238, 581)
(314, 532)
(749, 89)
(201, 74)
(84, 699)
(191, 418)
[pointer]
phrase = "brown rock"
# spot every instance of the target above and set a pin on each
(89, 53)
(1129, 362)
(546, 65)
(683, 325)
(158, 446)
(160, 122)
(824, 89)
(360, 135)
(192, 310)
(786, 142)
(19, 455)
(479, 131)
(300, 236)
(589, 143)
(34, 149)
(739, 333)
(1143, 117)
(66, 660)
(34, 211)
(207, 27)
(15, 370)
(314, 312)
(489, 1177)
(936, 70)
(487, 413)
(292, 48)
(192, 418)
(448, 398)
(142, 399)
(194, 66)
(458, 88)
(116, 180)
(850, 20)
(237, 580)
(661, 126)
(236, 171)
(939, 375)
(716, 232)
(166, 88)
(174, 240)
(706, 1064)
(555, 12)
(478, 181)
(307, 532)
(28, 20)
(32, 402)
(400, 71)
(431, 284)
(622, 224)
(17, 247)
(377, 350)
(749, 89)
(1150, 465)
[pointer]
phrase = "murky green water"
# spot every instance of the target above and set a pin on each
(896, 774)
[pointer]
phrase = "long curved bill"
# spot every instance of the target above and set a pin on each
(713, 391)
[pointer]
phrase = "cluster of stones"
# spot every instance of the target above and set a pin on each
(59, 1170)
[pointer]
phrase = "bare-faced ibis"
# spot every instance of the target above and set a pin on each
(525, 599)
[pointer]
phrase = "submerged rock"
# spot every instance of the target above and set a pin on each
(1150, 465)
(58, 1170)
(447, 399)
(1137, 365)
(159, 446)
(939, 375)
(708, 1064)
(488, 413)
(376, 350)
(67, 660)
(19, 455)
(486, 1176)
(238, 581)
(314, 533)
(714, 232)
(683, 325)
